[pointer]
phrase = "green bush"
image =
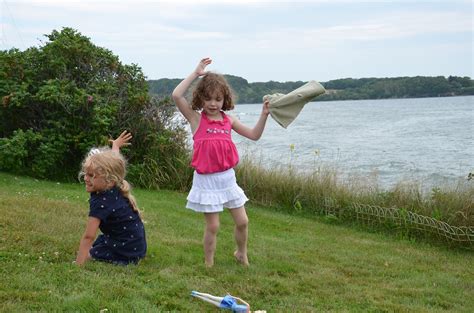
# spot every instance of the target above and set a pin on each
(14, 150)
(68, 95)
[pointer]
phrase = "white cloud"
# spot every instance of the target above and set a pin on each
(380, 29)
(165, 37)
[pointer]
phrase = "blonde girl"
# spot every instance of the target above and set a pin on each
(113, 209)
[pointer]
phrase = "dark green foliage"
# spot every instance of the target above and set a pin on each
(342, 89)
(163, 87)
(68, 95)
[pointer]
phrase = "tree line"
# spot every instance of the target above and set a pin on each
(341, 89)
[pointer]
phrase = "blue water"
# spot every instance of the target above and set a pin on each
(428, 141)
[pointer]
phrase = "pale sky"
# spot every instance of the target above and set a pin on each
(261, 40)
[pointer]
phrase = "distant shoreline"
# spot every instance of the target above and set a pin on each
(341, 89)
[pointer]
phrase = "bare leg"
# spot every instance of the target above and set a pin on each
(241, 234)
(210, 237)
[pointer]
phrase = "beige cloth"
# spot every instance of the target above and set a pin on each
(285, 108)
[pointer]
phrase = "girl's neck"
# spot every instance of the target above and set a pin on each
(214, 117)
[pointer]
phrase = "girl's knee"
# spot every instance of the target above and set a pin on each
(242, 223)
(213, 227)
(212, 222)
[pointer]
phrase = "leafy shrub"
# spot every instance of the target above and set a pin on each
(68, 95)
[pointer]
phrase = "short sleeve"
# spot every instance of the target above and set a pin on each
(100, 206)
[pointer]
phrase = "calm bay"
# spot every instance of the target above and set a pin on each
(425, 140)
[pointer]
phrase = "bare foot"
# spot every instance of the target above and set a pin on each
(241, 258)
(208, 265)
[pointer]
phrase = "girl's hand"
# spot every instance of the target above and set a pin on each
(200, 69)
(266, 107)
(122, 140)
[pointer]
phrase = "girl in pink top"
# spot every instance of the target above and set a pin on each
(214, 156)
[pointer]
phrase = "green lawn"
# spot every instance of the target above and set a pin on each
(298, 264)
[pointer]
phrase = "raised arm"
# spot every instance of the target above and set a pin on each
(180, 90)
(122, 140)
(256, 132)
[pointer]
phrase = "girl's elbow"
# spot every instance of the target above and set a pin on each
(174, 96)
(88, 238)
(255, 137)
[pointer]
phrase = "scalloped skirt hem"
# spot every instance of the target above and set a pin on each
(213, 192)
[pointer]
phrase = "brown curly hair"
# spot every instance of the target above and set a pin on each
(207, 86)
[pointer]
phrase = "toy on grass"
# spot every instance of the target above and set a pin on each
(228, 302)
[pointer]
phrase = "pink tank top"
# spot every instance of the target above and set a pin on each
(213, 148)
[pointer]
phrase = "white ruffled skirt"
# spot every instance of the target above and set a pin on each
(212, 193)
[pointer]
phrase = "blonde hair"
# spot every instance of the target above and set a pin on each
(112, 166)
(207, 86)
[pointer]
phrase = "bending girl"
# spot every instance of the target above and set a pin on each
(113, 209)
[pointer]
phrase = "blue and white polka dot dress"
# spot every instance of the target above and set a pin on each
(123, 235)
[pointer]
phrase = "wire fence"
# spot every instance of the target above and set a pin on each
(401, 218)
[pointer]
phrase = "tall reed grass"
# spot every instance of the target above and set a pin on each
(291, 189)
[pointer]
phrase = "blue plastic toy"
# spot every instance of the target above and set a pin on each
(228, 302)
